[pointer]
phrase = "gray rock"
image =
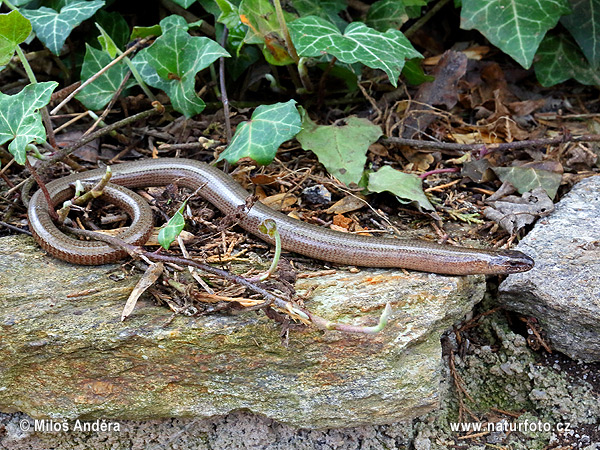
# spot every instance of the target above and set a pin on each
(563, 290)
(65, 357)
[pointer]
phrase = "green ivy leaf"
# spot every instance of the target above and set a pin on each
(327, 9)
(342, 149)
(169, 232)
(260, 137)
(263, 28)
(173, 60)
(559, 59)
(525, 179)
(53, 28)
(106, 42)
(314, 36)
(142, 32)
(14, 29)
(99, 92)
(386, 14)
(20, 120)
(406, 186)
(584, 24)
(514, 26)
(184, 3)
(413, 72)
(229, 15)
(113, 24)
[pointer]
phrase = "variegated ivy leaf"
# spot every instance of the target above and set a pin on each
(14, 29)
(385, 14)
(99, 92)
(514, 26)
(327, 9)
(173, 60)
(184, 3)
(584, 25)
(260, 137)
(53, 28)
(20, 121)
(314, 36)
(559, 59)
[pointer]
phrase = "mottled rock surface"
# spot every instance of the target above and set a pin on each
(563, 290)
(64, 357)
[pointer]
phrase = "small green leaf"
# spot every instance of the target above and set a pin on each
(525, 179)
(386, 14)
(20, 120)
(514, 26)
(14, 29)
(584, 24)
(413, 72)
(169, 232)
(407, 187)
(260, 137)
(106, 42)
(115, 26)
(342, 149)
(143, 32)
(230, 15)
(314, 36)
(53, 28)
(172, 62)
(99, 92)
(268, 227)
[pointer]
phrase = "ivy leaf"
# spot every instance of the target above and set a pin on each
(14, 29)
(584, 24)
(327, 9)
(314, 36)
(263, 28)
(526, 179)
(184, 3)
(341, 149)
(386, 14)
(20, 120)
(99, 92)
(169, 232)
(173, 60)
(514, 26)
(53, 28)
(413, 72)
(559, 59)
(113, 24)
(406, 186)
(229, 15)
(260, 137)
(142, 32)
(106, 42)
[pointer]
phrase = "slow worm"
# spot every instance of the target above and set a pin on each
(223, 192)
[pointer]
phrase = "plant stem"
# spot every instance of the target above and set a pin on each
(423, 20)
(9, 5)
(26, 65)
(224, 97)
